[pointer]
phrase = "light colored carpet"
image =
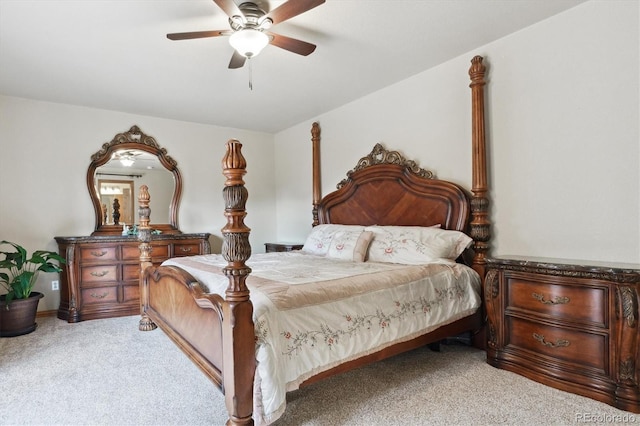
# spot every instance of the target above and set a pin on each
(106, 372)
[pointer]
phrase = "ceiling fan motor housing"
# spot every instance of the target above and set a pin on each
(254, 18)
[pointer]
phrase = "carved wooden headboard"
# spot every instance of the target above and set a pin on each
(386, 189)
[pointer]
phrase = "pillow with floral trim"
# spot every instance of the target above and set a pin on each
(321, 235)
(350, 245)
(414, 245)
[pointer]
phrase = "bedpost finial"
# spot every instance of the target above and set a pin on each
(234, 164)
(144, 196)
(477, 70)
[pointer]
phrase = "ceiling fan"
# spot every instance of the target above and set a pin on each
(126, 158)
(250, 25)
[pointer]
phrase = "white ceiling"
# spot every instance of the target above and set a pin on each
(114, 54)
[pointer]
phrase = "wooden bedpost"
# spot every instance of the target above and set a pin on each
(144, 236)
(238, 330)
(317, 194)
(480, 224)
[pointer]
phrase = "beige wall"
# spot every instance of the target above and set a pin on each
(562, 127)
(45, 150)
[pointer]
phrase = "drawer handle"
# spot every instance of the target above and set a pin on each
(99, 274)
(185, 249)
(99, 296)
(560, 343)
(98, 253)
(558, 300)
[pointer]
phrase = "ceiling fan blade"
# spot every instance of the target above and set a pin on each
(291, 44)
(292, 8)
(229, 7)
(198, 34)
(237, 60)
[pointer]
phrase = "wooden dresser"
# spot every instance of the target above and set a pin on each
(101, 277)
(568, 324)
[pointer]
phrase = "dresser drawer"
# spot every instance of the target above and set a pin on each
(180, 250)
(88, 254)
(158, 251)
(99, 273)
(570, 346)
(131, 293)
(99, 295)
(549, 296)
(131, 272)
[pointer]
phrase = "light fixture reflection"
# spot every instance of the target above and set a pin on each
(126, 160)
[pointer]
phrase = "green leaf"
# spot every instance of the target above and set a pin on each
(21, 272)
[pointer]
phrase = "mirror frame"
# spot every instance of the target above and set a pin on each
(134, 138)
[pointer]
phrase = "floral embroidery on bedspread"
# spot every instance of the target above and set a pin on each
(357, 323)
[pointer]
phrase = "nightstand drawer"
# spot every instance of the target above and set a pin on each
(580, 348)
(550, 296)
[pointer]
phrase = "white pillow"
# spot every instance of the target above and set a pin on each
(321, 235)
(350, 245)
(414, 245)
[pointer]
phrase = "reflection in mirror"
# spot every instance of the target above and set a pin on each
(116, 199)
(130, 160)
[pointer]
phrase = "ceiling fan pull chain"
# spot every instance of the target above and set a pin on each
(250, 74)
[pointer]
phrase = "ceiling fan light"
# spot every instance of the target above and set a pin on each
(249, 42)
(126, 160)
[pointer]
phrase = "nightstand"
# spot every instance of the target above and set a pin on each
(572, 325)
(274, 247)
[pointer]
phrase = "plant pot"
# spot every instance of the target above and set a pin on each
(20, 318)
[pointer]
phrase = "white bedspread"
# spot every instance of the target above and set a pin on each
(312, 313)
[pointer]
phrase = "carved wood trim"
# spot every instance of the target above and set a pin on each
(380, 155)
(134, 135)
(617, 277)
(491, 292)
(627, 315)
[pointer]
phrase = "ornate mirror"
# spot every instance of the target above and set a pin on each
(114, 178)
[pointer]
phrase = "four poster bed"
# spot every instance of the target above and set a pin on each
(381, 273)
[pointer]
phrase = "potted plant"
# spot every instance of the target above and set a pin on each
(18, 274)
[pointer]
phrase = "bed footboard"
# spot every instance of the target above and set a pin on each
(174, 301)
